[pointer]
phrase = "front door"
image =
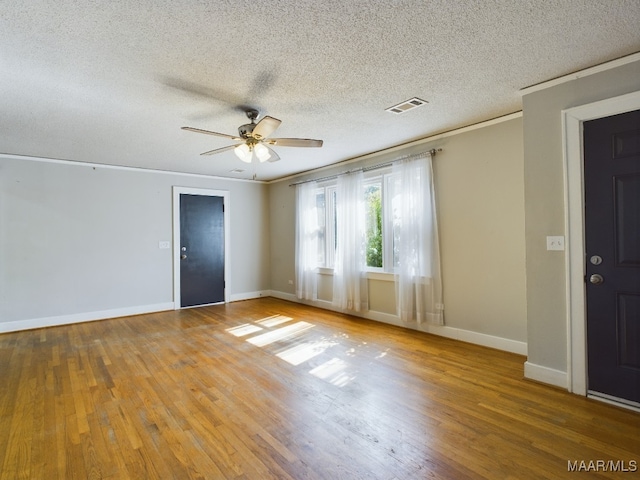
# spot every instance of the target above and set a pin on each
(612, 240)
(202, 250)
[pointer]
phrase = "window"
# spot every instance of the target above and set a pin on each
(387, 223)
(326, 211)
(373, 222)
(393, 214)
(379, 224)
(321, 206)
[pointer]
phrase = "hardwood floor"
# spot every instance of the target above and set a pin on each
(270, 389)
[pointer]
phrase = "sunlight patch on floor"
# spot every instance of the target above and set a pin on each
(305, 351)
(280, 334)
(281, 328)
(242, 330)
(274, 320)
(382, 354)
(334, 372)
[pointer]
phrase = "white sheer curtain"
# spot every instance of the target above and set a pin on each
(306, 241)
(349, 281)
(416, 247)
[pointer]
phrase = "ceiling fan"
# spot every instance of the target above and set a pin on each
(255, 141)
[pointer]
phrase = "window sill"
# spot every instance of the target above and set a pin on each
(380, 276)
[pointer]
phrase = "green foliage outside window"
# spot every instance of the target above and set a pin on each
(374, 226)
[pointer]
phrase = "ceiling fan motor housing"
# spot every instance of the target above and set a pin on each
(246, 131)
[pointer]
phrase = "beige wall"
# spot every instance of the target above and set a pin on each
(545, 207)
(282, 204)
(479, 180)
(479, 185)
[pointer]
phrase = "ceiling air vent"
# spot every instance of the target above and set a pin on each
(407, 105)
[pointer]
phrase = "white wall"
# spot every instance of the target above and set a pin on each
(479, 185)
(79, 242)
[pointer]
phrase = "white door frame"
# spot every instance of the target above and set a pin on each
(177, 191)
(572, 135)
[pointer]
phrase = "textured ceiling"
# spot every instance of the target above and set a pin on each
(113, 81)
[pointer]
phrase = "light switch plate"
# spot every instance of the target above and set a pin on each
(164, 245)
(555, 243)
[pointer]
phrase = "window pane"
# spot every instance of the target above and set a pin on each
(334, 195)
(322, 228)
(329, 234)
(373, 224)
(394, 194)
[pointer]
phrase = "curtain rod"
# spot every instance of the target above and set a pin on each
(432, 152)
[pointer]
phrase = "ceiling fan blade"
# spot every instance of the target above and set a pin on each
(265, 127)
(219, 150)
(208, 132)
(274, 156)
(294, 142)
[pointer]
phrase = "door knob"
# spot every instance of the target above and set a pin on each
(596, 279)
(183, 257)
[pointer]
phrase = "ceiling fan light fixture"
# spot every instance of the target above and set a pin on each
(252, 135)
(262, 152)
(243, 152)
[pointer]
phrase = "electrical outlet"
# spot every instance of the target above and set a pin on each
(555, 243)
(290, 282)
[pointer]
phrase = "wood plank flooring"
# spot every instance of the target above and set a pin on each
(270, 389)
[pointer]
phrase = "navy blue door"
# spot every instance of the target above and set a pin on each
(201, 250)
(612, 238)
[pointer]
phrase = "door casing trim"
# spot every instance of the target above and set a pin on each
(177, 191)
(572, 138)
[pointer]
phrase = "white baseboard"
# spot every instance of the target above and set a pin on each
(31, 323)
(237, 297)
(491, 341)
(476, 338)
(537, 372)
(545, 375)
(286, 296)
(42, 322)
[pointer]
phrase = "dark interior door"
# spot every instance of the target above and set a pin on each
(612, 236)
(201, 250)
